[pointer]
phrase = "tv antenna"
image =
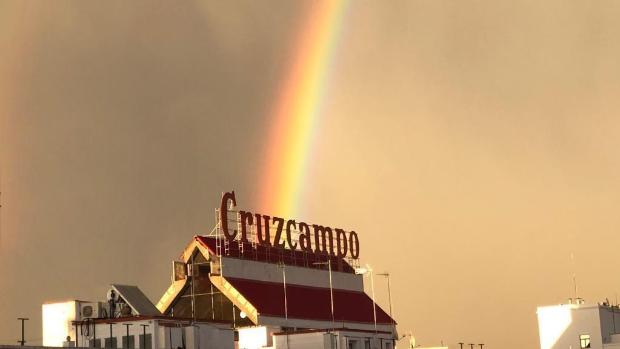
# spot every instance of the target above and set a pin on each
(573, 266)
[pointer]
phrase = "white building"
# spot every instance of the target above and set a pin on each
(578, 325)
(135, 323)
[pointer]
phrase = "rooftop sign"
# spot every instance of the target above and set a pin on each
(280, 233)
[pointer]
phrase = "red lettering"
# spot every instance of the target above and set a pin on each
(224, 214)
(320, 242)
(279, 225)
(262, 232)
(247, 219)
(289, 235)
(326, 236)
(341, 243)
(304, 237)
(354, 245)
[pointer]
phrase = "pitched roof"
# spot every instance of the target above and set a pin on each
(136, 300)
(306, 302)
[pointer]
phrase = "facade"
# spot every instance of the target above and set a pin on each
(324, 339)
(135, 323)
(151, 333)
(577, 325)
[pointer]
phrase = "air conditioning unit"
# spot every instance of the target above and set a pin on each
(90, 310)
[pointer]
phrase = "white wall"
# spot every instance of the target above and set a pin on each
(319, 324)
(317, 340)
(213, 337)
(248, 269)
(57, 319)
(102, 332)
(560, 326)
(199, 336)
(255, 337)
(610, 322)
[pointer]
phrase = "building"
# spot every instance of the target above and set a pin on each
(135, 323)
(579, 325)
(269, 294)
(254, 282)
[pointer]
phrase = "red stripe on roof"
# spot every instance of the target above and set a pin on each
(311, 303)
(266, 254)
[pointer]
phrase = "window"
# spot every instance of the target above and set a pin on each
(353, 344)
(204, 270)
(128, 342)
(584, 341)
(110, 343)
(367, 344)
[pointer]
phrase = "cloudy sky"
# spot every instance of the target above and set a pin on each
(473, 145)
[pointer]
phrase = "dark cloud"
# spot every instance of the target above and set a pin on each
(480, 137)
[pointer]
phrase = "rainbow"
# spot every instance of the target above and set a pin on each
(297, 110)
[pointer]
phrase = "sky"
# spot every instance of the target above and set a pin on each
(472, 145)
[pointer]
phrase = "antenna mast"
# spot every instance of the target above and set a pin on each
(575, 285)
(575, 293)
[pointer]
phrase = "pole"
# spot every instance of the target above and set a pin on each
(389, 294)
(387, 275)
(331, 291)
(111, 336)
(281, 265)
(212, 303)
(471, 345)
(170, 336)
(461, 344)
(331, 288)
(234, 316)
(144, 335)
(23, 341)
(127, 340)
(374, 305)
(193, 290)
(77, 335)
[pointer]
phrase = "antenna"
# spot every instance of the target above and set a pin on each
(575, 285)
(572, 259)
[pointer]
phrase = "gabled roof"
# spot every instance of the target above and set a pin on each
(136, 300)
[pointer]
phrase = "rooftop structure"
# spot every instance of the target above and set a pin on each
(223, 287)
(579, 325)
